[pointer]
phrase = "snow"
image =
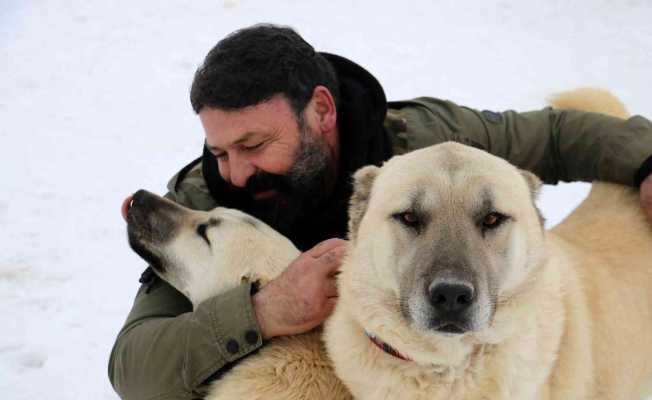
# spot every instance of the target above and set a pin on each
(95, 105)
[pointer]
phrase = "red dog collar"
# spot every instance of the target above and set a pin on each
(385, 347)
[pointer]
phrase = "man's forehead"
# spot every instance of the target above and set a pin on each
(273, 109)
(225, 127)
(220, 146)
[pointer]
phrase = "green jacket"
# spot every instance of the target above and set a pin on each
(167, 350)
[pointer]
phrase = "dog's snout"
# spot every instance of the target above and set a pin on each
(152, 218)
(145, 202)
(142, 198)
(448, 297)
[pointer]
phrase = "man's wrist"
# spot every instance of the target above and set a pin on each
(259, 303)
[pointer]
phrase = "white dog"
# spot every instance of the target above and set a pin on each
(203, 254)
(451, 288)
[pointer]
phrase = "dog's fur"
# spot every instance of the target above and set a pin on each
(236, 248)
(562, 314)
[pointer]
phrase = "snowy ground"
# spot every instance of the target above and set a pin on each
(94, 105)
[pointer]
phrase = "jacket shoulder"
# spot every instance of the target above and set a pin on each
(188, 188)
(417, 123)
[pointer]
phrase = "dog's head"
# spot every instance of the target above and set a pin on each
(203, 253)
(439, 235)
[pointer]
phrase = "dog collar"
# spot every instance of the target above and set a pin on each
(385, 347)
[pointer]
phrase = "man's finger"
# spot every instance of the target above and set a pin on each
(324, 247)
(331, 260)
(330, 288)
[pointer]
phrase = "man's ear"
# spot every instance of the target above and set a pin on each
(324, 105)
(534, 183)
(363, 181)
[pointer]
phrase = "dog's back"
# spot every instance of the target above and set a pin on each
(610, 241)
(607, 205)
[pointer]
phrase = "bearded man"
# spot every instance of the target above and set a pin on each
(285, 127)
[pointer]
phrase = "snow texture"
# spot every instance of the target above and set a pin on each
(95, 105)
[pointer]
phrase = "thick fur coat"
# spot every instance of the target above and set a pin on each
(558, 314)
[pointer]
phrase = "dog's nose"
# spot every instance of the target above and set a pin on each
(451, 297)
(140, 197)
(146, 200)
(145, 205)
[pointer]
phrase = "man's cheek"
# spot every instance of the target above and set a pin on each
(223, 169)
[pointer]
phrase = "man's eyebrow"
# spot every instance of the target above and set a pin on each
(244, 138)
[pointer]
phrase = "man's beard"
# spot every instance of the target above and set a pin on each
(307, 183)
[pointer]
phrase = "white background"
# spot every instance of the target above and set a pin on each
(94, 105)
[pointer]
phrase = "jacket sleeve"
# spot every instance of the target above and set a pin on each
(557, 145)
(167, 350)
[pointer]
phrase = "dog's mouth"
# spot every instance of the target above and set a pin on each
(451, 329)
(139, 239)
(139, 227)
(145, 253)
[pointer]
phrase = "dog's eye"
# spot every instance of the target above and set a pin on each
(409, 219)
(201, 231)
(493, 220)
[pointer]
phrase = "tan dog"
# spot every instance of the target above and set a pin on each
(203, 254)
(451, 288)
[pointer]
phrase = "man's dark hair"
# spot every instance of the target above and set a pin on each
(253, 64)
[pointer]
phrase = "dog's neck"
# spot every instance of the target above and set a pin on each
(385, 346)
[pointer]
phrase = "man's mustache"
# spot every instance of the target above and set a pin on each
(265, 181)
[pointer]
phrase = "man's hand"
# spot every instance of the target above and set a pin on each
(303, 295)
(646, 196)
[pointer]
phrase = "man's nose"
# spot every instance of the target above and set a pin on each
(240, 169)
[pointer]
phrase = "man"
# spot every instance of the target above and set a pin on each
(285, 128)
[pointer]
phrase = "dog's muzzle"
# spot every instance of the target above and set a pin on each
(451, 302)
(151, 222)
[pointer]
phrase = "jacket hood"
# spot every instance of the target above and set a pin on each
(361, 114)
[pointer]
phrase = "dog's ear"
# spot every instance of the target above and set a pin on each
(363, 181)
(534, 183)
